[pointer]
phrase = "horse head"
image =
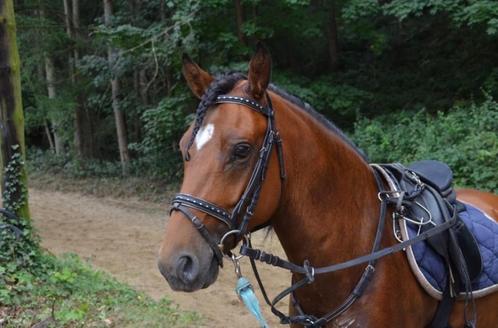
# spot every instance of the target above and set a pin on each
(220, 149)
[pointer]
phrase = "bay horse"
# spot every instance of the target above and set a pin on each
(316, 190)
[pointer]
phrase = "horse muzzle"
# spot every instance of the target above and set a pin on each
(188, 272)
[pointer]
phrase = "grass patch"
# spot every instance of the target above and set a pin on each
(66, 292)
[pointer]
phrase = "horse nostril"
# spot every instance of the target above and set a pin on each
(187, 268)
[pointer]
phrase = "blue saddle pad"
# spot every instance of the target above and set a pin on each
(485, 230)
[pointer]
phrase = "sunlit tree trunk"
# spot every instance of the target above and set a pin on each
(50, 77)
(50, 80)
(46, 124)
(49, 136)
(119, 117)
(14, 188)
(67, 17)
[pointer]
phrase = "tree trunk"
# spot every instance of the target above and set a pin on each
(142, 82)
(162, 12)
(40, 70)
(14, 181)
(239, 14)
(50, 76)
(84, 123)
(67, 17)
(332, 35)
(72, 20)
(76, 16)
(119, 117)
(49, 137)
(76, 29)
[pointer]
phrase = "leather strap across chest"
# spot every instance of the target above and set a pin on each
(309, 272)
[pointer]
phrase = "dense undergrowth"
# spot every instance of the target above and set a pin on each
(465, 137)
(65, 292)
(98, 178)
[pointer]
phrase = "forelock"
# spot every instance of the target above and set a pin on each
(222, 84)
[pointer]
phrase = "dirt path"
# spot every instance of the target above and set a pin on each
(122, 238)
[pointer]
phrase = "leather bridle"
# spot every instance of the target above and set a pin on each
(238, 219)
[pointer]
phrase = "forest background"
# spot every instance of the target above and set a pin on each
(104, 96)
(105, 105)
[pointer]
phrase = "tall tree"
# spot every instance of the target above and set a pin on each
(119, 116)
(332, 35)
(72, 24)
(14, 190)
(51, 90)
(239, 14)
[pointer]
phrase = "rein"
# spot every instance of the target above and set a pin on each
(238, 219)
(310, 272)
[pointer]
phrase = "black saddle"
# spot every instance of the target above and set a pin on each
(430, 198)
(436, 174)
(427, 197)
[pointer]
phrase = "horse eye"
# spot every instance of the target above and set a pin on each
(241, 150)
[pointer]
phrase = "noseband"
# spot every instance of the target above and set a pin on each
(236, 221)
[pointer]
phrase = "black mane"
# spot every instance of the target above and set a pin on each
(222, 84)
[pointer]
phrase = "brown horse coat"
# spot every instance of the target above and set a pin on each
(325, 211)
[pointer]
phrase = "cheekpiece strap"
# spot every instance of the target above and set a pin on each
(246, 102)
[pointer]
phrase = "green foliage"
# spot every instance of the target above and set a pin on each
(67, 292)
(18, 246)
(164, 125)
(49, 163)
(394, 56)
(357, 9)
(407, 71)
(340, 102)
(14, 191)
(39, 288)
(465, 138)
(470, 13)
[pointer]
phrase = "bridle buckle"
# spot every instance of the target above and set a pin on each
(310, 271)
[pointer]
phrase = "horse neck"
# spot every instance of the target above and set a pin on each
(329, 208)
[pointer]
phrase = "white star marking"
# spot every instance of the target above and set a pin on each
(204, 135)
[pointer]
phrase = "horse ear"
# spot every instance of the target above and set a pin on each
(198, 79)
(259, 72)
